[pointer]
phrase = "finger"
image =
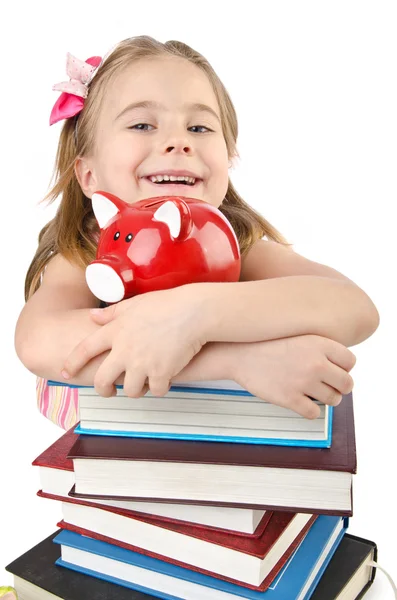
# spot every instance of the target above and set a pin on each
(144, 390)
(103, 315)
(340, 356)
(159, 386)
(135, 385)
(338, 378)
(305, 407)
(93, 345)
(325, 394)
(106, 376)
(300, 404)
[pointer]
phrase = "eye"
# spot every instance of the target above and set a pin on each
(139, 125)
(128, 237)
(116, 235)
(201, 127)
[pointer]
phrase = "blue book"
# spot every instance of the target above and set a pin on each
(213, 411)
(297, 580)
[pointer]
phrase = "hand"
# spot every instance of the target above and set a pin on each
(150, 337)
(290, 371)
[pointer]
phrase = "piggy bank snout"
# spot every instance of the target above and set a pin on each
(104, 282)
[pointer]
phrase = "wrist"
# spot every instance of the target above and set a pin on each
(205, 301)
(214, 361)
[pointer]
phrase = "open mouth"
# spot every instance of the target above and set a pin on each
(174, 185)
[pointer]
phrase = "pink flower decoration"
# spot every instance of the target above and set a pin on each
(74, 92)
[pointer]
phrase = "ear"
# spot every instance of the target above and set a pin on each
(85, 175)
(169, 214)
(104, 209)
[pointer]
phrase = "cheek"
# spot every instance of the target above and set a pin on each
(220, 155)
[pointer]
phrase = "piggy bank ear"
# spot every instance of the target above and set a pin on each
(169, 214)
(176, 214)
(104, 209)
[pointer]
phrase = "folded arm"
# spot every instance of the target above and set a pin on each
(57, 318)
(282, 294)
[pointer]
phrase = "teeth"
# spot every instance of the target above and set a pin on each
(157, 178)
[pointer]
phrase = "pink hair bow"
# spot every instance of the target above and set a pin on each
(74, 92)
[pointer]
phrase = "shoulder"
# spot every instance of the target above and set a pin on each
(268, 259)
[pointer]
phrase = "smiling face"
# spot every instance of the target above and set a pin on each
(174, 128)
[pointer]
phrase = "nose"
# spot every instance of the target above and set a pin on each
(179, 147)
(184, 149)
(178, 142)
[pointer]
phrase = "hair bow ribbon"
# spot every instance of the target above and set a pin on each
(74, 92)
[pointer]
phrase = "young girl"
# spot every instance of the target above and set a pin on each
(155, 109)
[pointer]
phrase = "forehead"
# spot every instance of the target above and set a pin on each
(171, 81)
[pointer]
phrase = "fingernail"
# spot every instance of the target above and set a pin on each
(96, 311)
(65, 374)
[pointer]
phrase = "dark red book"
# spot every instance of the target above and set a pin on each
(252, 563)
(314, 480)
(57, 478)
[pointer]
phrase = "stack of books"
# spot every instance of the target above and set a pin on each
(208, 492)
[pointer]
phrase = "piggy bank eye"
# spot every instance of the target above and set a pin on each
(116, 235)
(128, 237)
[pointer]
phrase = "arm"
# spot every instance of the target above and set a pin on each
(54, 319)
(286, 295)
(57, 317)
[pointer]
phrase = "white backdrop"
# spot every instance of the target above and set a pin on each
(314, 86)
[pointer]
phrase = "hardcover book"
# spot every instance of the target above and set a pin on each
(219, 411)
(57, 478)
(146, 574)
(245, 561)
(314, 480)
(347, 576)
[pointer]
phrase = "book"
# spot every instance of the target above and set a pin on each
(349, 574)
(37, 577)
(347, 577)
(145, 574)
(313, 480)
(57, 478)
(245, 561)
(220, 411)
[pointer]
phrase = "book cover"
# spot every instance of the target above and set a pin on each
(37, 567)
(56, 455)
(208, 437)
(216, 386)
(343, 567)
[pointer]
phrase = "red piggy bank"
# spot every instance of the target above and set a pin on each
(159, 243)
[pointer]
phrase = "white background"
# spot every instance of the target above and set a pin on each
(314, 86)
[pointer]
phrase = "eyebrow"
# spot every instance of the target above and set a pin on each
(195, 106)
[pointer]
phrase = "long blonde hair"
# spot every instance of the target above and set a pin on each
(74, 230)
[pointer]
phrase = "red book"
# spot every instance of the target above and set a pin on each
(248, 562)
(57, 478)
(239, 475)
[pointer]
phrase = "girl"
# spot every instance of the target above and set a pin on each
(154, 109)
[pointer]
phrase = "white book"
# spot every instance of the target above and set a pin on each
(207, 410)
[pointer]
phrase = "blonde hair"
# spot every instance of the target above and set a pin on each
(73, 231)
